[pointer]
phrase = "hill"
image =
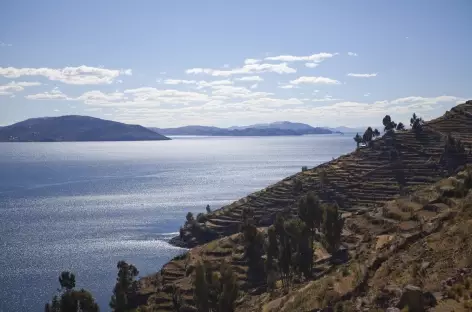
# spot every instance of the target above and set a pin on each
(75, 128)
(273, 129)
(406, 237)
(287, 125)
(214, 131)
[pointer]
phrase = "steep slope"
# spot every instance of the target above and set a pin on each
(361, 180)
(421, 240)
(75, 128)
(416, 244)
(392, 241)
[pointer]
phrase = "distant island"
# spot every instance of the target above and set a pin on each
(280, 128)
(74, 128)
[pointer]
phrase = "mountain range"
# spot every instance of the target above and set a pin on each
(278, 128)
(85, 128)
(75, 128)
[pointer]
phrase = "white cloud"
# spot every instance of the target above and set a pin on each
(98, 97)
(3, 44)
(250, 78)
(311, 65)
(254, 86)
(362, 75)
(81, 75)
(326, 98)
(13, 86)
(237, 92)
(415, 100)
(178, 81)
(317, 58)
(351, 54)
(54, 94)
(270, 108)
(281, 68)
(152, 95)
(367, 94)
(251, 61)
(287, 86)
(314, 80)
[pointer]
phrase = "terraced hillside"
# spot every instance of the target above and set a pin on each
(422, 239)
(386, 235)
(362, 180)
(414, 251)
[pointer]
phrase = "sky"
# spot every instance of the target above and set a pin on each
(225, 63)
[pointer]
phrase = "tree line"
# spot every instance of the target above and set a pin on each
(390, 126)
(69, 299)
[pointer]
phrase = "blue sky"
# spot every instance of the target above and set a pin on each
(224, 63)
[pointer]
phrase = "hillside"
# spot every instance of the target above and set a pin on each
(421, 238)
(75, 128)
(281, 128)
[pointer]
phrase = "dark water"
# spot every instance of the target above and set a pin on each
(84, 206)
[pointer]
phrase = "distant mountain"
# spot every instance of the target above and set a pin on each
(287, 125)
(353, 130)
(270, 129)
(75, 128)
(214, 131)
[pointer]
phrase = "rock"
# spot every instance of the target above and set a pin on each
(412, 297)
(425, 265)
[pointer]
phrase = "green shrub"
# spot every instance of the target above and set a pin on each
(201, 218)
(304, 168)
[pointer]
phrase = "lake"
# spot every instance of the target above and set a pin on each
(84, 206)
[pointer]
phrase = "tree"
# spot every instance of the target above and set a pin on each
(376, 133)
(67, 280)
(189, 217)
(368, 135)
(208, 209)
(272, 254)
(201, 218)
(323, 175)
(125, 287)
(69, 299)
(253, 243)
(358, 139)
(454, 153)
(388, 124)
(332, 227)
(400, 175)
(416, 123)
(302, 252)
(229, 289)
(310, 212)
(400, 126)
(201, 293)
(215, 291)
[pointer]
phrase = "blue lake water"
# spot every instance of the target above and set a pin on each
(84, 206)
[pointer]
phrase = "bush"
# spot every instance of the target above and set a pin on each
(201, 218)
(304, 168)
(189, 217)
